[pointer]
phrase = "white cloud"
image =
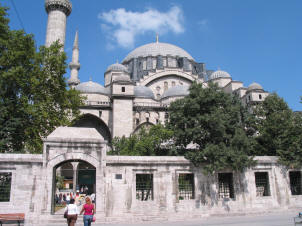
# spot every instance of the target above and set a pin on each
(122, 27)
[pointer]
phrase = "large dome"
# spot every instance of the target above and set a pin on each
(156, 49)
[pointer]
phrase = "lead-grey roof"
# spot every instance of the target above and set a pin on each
(180, 90)
(117, 67)
(254, 86)
(143, 91)
(219, 74)
(91, 87)
(156, 49)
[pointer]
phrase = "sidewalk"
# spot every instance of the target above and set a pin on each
(272, 219)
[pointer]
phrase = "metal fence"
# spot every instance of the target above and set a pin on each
(295, 182)
(226, 188)
(186, 186)
(262, 184)
(5, 186)
(144, 187)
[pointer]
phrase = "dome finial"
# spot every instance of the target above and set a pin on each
(90, 78)
(156, 38)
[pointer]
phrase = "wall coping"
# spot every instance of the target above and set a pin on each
(38, 158)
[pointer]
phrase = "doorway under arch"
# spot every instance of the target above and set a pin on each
(72, 179)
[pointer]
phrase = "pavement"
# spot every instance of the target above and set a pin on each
(285, 218)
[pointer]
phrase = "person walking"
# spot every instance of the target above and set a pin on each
(72, 213)
(89, 210)
(67, 198)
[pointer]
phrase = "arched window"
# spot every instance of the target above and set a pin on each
(165, 86)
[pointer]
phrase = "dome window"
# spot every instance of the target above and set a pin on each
(165, 86)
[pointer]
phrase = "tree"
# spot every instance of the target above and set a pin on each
(217, 124)
(280, 131)
(33, 95)
(147, 142)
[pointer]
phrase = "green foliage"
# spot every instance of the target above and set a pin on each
(147, 142)
(33, 95)
(280, 131)
(217, 124)
(59, 182)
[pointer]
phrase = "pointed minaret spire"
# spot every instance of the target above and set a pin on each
(76, 41)
(156, 38)
(75, 64)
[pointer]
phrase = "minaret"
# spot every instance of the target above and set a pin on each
(58, 11)
(74, 65)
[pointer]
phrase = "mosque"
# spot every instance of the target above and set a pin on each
(136, 93)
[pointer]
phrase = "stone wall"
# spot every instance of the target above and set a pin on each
(25, 195)
(116, 194)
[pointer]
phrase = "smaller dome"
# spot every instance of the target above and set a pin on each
(176, 91)
(143, 91)
(219, 74)
(254, 86)
(91, 87)
(117, 67)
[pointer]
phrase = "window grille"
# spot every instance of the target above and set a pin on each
(5, 186)
(295, 182)
(262, 184)
(144, 187)
(185, 186)
(226, 189)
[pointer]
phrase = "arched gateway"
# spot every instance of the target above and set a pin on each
(73, 162)
(73, 179)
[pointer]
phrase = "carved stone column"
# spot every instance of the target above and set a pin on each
(75, 175)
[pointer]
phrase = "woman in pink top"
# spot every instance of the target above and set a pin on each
(88, 210)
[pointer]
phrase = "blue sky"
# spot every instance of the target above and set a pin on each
(254, 40)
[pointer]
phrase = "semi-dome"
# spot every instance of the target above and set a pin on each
(117, 67)
(156, 49)
(143, 91)
(91, 87)
(219, 74)
(254, 86)
(180, 90)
